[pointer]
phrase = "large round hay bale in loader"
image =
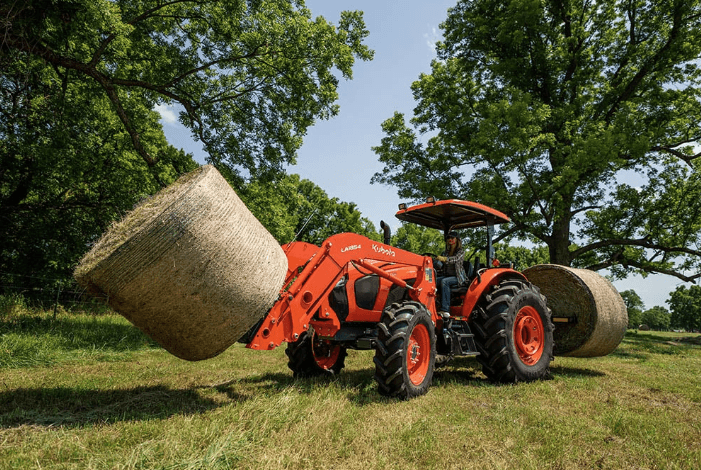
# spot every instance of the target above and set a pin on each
(589, 314)
(190, 266)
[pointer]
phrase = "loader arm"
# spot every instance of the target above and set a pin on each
(305, 293)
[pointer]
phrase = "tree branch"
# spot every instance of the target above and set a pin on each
(646, 268)
(680, 155)
(647, 68)
(641, 242)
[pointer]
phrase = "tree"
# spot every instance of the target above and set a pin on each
(419, 239)
(635, 307)
(522, 257)
(80, 143)
(67, 170)
(657, 318)
(251, 76)
(542, 108)
(296, 207)
(685, 305)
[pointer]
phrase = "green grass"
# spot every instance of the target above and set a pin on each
(43, 339)
(82, 391)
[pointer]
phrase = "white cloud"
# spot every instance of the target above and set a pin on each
(431, 39)
(166, 112)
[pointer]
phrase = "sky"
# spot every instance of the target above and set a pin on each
(336, 154)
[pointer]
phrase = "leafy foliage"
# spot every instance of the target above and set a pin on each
(685, 305)
(540, 108)
(67, 169)
(80, 143)
(523, 257)
(635, 307)
(657, 318)
(297, 207)
(419, 239)
(251, 76)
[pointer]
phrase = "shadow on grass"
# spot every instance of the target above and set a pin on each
(358, 386)
(77, 332)
(62, 406)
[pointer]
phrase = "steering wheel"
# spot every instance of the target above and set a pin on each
(437, 265)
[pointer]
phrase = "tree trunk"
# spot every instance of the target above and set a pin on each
(559, 242)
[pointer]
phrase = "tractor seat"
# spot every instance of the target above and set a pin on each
(460, 290)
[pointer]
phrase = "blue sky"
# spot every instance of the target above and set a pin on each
(337, 154)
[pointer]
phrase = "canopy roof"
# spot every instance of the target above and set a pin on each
(451, 214)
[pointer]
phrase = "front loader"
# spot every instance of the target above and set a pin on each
(196, 271)
(355, 293)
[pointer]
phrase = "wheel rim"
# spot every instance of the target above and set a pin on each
(529, 335)
(418, 354)
(325, 353)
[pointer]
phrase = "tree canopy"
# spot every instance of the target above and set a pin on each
(250, 75)
(419, 239)
(80, 143)
(544, 109)
(297, 209)
(657, 318)
(635, 307)
(67, 169)
(685, 306)
(522, 257)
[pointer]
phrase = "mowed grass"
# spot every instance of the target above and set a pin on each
(86, 392)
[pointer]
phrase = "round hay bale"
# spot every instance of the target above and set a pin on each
(601, 315)
(190, 266)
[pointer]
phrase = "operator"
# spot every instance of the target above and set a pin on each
(453, 271)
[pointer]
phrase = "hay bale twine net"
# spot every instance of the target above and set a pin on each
(190, 266)
(601, 314)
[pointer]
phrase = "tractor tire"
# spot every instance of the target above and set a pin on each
(311, 356)
(513, 333)
(406, 351)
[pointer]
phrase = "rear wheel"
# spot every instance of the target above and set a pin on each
(406, 351)
(311, 356)
(513, 333)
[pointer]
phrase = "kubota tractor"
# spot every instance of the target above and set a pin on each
(356, 293)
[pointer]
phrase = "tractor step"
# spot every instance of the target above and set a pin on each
(467, 344)
(457, 340)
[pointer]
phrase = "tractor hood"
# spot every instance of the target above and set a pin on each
(452, 214)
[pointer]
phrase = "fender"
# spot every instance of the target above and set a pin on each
(485, 279)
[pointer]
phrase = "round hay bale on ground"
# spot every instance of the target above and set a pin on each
(190, 266)
(601, 314)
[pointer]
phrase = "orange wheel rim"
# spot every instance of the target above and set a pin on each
(418, 354)
(529, 335)
(325, 353)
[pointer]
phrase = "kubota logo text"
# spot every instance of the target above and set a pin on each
(383, 250)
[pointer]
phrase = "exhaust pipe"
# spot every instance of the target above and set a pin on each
(387, 232)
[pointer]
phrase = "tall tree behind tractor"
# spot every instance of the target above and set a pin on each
(196, 271)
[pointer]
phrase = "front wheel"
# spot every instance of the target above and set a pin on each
(311, 356)
(406, 351)
(513, 333)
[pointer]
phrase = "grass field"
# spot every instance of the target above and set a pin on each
(82, 391)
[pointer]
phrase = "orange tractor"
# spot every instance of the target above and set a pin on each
(356, 293)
